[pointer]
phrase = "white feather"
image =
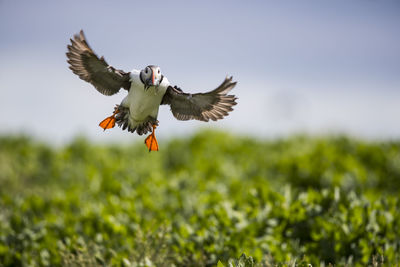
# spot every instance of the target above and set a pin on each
(143, 103)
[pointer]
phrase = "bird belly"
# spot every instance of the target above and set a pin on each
(143, 104)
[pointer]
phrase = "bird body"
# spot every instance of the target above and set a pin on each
(147, 90)
(143, 103)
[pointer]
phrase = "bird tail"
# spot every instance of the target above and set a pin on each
(122, 120)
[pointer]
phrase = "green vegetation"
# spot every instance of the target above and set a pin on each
(200, 201)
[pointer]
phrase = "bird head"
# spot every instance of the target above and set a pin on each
(151, 76)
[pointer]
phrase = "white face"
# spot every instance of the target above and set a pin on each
(151, 75)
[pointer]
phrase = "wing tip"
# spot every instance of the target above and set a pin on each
(226, 86)
(82, 35)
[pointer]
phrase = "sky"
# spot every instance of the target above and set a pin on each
(315, 67)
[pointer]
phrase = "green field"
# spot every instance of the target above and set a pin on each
(200, 201)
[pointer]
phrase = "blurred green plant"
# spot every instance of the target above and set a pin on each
(200, 201)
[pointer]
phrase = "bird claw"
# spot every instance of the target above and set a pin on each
(151, 141)
(109, 122)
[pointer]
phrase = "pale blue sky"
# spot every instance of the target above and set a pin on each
(301, 66)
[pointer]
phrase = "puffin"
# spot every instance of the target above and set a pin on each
(147, 90)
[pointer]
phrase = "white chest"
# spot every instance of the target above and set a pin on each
(143, 103)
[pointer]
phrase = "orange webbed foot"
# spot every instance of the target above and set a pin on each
(151, 141)
(109, 122)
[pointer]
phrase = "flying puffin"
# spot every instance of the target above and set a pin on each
(147, 90)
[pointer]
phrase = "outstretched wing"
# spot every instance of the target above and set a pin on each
(213, 105)
(85, 63)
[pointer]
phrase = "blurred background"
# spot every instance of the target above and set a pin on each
(301, 66)
(318, 86)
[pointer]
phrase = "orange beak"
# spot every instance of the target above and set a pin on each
(152, 76)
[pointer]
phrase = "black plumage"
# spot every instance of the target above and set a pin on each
(213, 105)
(86, 64)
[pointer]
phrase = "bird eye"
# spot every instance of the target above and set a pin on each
(159, 71)
(147, 70)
